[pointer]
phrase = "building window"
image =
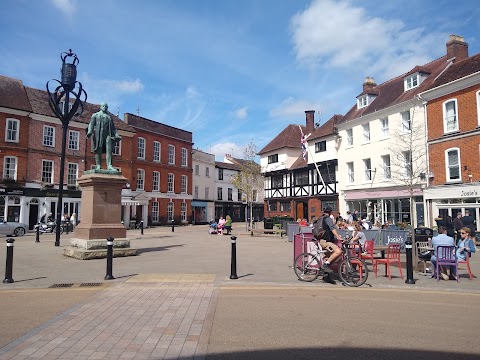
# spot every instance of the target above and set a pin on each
(11, 130)
(272, 206)
(73, 137)
(207, 171)
(183, 212)
(320, 146)
(47, 171)
(301, 178)
(197, 169)
(272, 158)
(72, 174)
(254, 195)
(350, 173)
(350, 137)
(452, 161)
(183, 184)
(219, 193)
(367, 164)
(366, 133)
(450, 118)
(407, 164)
(10, 168)
(171, 154)
(277, 182)
(384, 127)
(141, 148)
(230, 194)
(332, 204)
(184, 157)
(117, 148)
(362, 101)
(478, 107)
(386, 167)
(170, 212)
(48, 136)
(156, 151)
(156, 181)
(220, 174)
(239, 195)
(170, 180)
(140, 179)
(207, 193)
(195, 194)
(285, 206)
(411, 82)
(155, 211)
(406, 122)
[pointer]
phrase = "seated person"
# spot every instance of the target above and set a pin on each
(442, 239)
(303, 222)
(466, 244)
(358, 236)
(228, 224)
(221, 224)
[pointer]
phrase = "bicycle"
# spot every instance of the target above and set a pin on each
(352, 270)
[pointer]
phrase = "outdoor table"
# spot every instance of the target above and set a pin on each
(381, 248)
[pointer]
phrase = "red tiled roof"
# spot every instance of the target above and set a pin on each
(228, 166)
(288, 138)
(392, 92)
(299, 164)
(12, 94)
(156, 127)
(327, 128)
(39, 102)
(458, 70)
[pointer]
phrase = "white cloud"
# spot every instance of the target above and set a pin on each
(339, 34)
(291, 107)
(127, 86)
(240, 113)
(221, 149)
(68, 7)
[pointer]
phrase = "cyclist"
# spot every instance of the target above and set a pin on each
(327, 242)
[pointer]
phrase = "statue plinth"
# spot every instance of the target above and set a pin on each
(101, 205)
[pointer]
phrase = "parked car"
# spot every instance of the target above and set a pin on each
(10, 228)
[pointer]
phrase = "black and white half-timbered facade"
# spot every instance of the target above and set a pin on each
(293, 186)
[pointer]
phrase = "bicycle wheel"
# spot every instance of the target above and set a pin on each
(306, 267)
(353, 272)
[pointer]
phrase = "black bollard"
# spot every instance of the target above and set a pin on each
(173, 225)
(9, 263)
(37, 233)
(141, 227)
(233, 266)
(109, 275)
(408, 253)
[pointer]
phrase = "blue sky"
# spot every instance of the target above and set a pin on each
(229, 71)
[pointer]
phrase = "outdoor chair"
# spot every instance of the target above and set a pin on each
(421, 247)
(392, 258)
(466, 261)
(446, 256)
(368, 251)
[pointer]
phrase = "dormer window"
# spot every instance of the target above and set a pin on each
(365, 100)
(413, 80)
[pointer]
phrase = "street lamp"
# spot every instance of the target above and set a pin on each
(59, 101)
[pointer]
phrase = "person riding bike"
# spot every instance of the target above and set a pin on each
(327, 241)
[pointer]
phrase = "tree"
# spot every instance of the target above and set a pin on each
(249, 180)
(408, 150)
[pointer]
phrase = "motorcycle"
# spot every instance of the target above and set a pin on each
(47, 228)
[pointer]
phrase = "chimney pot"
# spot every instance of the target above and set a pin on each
(369, 83)
(457, 48)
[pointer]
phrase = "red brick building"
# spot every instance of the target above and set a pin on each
(453, 119)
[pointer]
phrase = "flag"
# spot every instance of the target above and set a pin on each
(303, 140)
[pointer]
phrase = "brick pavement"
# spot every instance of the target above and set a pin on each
(146, 317)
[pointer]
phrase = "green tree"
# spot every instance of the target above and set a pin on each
(249, 179)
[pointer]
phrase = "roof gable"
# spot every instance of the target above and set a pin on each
(13, 95)
(288, 138)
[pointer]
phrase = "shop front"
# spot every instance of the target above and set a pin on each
(449, 199)
(202, 212)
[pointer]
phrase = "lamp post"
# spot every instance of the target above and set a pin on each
(59, 101)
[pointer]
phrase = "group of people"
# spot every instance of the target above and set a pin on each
(464, 247)
(454, 226)
(221, 226)
(65, 218)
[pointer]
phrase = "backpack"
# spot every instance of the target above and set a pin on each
(318, 230)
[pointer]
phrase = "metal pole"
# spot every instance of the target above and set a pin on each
(9, 263)
(233, 264)
(37, 233)
(408, 251)
(109, 275)
(173, 225)
(141, 227)
(62, 169)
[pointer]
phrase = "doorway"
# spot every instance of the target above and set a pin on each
(32, 216)
(302, 210)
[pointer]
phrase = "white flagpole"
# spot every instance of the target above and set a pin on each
(310, 155)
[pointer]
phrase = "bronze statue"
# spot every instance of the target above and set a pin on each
(104, 136)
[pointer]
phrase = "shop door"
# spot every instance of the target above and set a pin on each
(33, 216)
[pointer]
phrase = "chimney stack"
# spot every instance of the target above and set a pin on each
(310, 120)
(369, 84)
(457, 48)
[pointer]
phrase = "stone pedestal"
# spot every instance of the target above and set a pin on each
(101, 217)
